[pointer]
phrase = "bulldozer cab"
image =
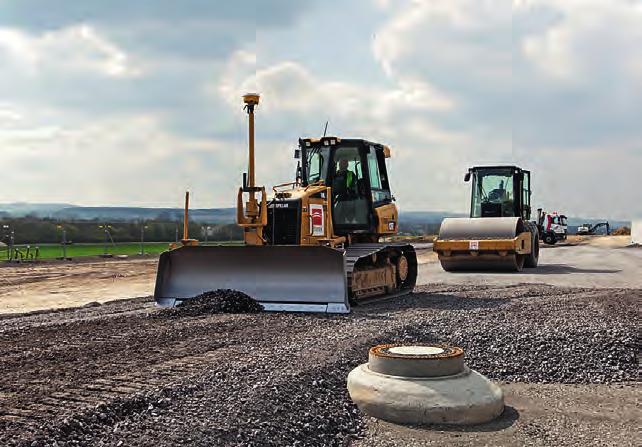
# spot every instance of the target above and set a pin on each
(500, 191)
(356, 171)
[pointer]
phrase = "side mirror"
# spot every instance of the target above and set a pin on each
(467, 177)
(297, 154)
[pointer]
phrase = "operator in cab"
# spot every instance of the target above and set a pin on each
(344, 192)
(344, 184)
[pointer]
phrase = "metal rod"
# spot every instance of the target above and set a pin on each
(185, 217)
(251, 140)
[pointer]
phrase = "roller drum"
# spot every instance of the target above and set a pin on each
(477, 229)
(461, 228)
(481, 263)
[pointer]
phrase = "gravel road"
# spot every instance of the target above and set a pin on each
(560, 265)
(122, 373)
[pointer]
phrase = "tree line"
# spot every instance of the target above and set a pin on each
(31, 230)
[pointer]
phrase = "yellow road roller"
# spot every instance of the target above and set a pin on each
(498, 235)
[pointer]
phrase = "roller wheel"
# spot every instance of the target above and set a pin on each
(533, 257)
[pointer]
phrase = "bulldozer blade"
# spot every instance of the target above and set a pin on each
(281, 278)
(480, 229)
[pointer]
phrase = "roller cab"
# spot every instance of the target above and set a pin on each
(498, 235)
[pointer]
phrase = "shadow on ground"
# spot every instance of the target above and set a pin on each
(506, 420)
(438, 301)
(553, 269)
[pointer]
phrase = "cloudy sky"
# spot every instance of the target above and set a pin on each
(130, 102)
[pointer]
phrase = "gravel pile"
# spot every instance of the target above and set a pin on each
(221, 301)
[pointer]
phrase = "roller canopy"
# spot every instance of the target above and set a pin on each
(292, 278)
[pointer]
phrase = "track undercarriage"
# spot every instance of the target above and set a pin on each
(379, 269)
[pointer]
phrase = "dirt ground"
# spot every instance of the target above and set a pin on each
(536, 415)
(124, 374)
(50, 285)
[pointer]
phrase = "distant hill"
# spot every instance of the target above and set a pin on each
(426, 217)
(21, 209)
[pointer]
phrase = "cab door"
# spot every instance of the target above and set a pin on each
(351, 201)
(384, 212)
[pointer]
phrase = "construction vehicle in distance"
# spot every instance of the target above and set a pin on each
(552, 227)
(314, 244)
(588, 229)
(498, 235)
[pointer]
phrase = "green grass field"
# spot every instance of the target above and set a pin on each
(53, 251)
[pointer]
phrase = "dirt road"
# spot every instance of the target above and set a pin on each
(590, 262)
(602, 263)
(50, 285)
(125, 373)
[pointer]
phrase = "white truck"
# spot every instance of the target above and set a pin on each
(552, 226)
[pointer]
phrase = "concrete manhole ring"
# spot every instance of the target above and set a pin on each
(423, 384)
(416, 360)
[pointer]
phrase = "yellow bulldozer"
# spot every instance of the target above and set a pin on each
(313, 245)
(498, 235)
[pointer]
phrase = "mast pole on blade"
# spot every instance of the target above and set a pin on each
(253, 216)
(186, 240)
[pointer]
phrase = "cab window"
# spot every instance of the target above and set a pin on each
(378, 184)
(316, 164)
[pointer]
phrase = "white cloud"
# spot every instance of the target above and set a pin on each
(8, 116)
(240, 66)
(290, 88)
(549, 83)
(556, 80)
(469, 38)
(295, 101)
(78, 49)
(594, 41)
(120, 160)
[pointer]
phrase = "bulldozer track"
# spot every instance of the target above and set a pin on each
(359, 251)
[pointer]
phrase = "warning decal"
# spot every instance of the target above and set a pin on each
(316, 216)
